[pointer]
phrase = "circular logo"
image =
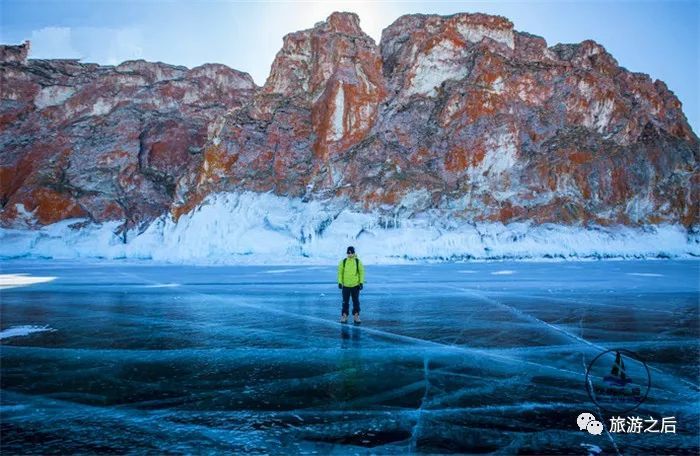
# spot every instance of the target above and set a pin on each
(618, 381)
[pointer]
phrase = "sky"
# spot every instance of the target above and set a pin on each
(657, 37)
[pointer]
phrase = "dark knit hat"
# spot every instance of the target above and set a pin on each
(351, 249)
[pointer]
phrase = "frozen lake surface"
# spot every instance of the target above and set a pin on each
(464, 358)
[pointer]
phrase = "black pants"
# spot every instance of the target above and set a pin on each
(355, 293)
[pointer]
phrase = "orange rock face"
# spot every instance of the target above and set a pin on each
(462, 114)
(80, 140)
(334, 71)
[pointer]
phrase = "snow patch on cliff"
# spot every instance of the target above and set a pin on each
(53, 96)
(253, 228)
(498, 85)
(586, 89)
(101, 107)
(477, 32)
(599, 115)
(337, 129)
(501, 156)
(438, 65)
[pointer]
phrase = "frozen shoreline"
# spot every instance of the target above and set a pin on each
(250, 228)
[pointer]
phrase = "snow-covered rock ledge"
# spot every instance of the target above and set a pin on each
(251, 228)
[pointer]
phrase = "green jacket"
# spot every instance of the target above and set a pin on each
(348, 275)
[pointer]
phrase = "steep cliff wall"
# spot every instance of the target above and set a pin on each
(462, 115)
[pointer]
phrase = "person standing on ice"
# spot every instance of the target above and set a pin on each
(351, 276)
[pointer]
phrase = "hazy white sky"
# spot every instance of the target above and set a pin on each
(660, 38)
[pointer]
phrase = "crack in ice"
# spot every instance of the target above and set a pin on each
(388, 334)
(532, 318)
(419, 411)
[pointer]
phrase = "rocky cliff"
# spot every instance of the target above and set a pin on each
(462, 115)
